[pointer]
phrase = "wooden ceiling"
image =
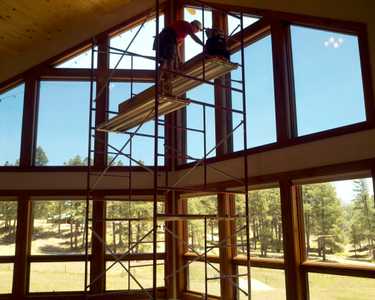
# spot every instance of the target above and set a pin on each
(33, 31)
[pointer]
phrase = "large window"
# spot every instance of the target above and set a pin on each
(198, 118)
(206, 205)
(266, 235)
(129, 230)
(339, 220)
(265, 284)
(128, 223)
(11, 109)
(328, 80)
(80, 61)
(63, 123)
(196, 276)
(260, 98)
(8, 226)
(142, 145)
(118, 277)
(234, 24)
(142, 45)
(334, 287)
(58, 230)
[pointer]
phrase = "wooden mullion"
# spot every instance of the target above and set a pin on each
(366, 75)
(283, 85)
(98, 239)
(23, 243)
(29, 122)
(295, 278)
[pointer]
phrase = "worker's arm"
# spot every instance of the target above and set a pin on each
(196, 39)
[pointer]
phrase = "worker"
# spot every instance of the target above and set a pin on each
(216, 44)
(171, 39)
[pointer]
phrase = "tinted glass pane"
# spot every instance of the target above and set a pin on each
(194, 120)
(196, 282)
(11, 109)
(203, 206)
(63, 122)
(142, 45)
(81, 61)
(260, 98)
(8, 226)
(129, 222)
(266, 235)
(265, 284)
(328, 80)
(57, 277)
(234, 24)
(334, 287)
(6, 275)
(58, 227)
(339, 220)
(117, 278)
(142, 146)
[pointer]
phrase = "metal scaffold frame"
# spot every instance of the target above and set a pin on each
(158, 189)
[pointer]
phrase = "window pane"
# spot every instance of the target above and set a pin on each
(142, 44)
(206, 205)
(339, 220)
(196, 279)
(334, 287)
(191, 14)
(57, 277)
(6, 275)
(125, 230)
(234, 25)
(266, 235)
(142, 146)
(58, 227)
(260, 98)
(8, 226)
(80, 61)
(328, 80)
(265, 284)
(194, 120)
(11, 109)
(117, 278)
(63, 123)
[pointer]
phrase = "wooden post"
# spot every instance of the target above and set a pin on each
(223, 125)
(174, 249)
(23, 239)
(286, 124)
(97, 266)
(294, 254)
(29, 121)
(102, 92)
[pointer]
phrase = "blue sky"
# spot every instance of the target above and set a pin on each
(328, 88)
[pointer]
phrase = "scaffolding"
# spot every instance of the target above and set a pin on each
(134, 115)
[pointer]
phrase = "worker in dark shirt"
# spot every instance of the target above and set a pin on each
(171, 39)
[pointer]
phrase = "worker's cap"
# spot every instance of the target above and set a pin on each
(197, 24)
